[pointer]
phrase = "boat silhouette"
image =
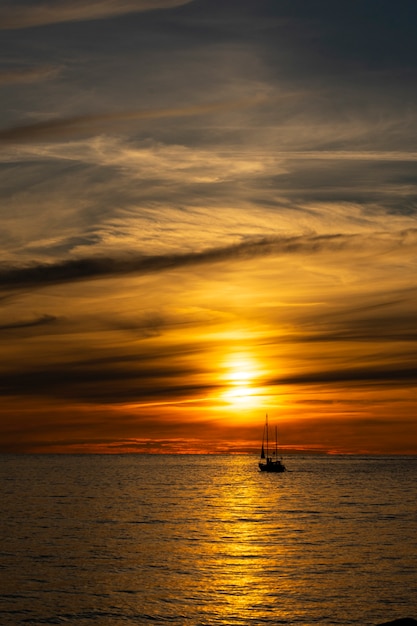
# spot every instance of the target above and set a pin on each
(270, 461)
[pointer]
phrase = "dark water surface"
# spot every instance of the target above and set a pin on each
(192, 540)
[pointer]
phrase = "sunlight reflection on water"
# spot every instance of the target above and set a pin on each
(207, 540)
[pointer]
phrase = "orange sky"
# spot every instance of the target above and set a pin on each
(194, 242)
(109, 373)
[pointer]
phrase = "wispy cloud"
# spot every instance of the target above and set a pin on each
(53, 129)
(86, 383)
(40, 14)
(29, 323)
(102, 267)
(358, 375)
(29, 74)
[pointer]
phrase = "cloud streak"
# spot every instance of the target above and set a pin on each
(28, 75)
(42, 14)
(143, 381)
(104, 267)
(54, 129)
(366, 375)
(39, 321)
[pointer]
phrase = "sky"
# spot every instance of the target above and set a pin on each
(208, 213)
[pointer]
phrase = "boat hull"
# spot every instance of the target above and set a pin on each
(273, 466)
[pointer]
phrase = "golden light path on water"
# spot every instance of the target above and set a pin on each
(245, 561)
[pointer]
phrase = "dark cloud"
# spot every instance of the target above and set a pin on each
(382, 322)
(105, 267)
(39, 321)
(28, 74)
(353, 36)
(134, 381)
(121, 380)
(63, 128)
(371, 375)
(390, 185)
(43, 13)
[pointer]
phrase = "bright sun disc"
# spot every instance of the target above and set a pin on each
(239, 377)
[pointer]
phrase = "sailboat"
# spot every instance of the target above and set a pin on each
(270, 461)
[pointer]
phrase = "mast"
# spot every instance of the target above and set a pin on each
(276, 443)
(267, 438)
(263, 449)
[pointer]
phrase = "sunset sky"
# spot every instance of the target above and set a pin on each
(208, 213)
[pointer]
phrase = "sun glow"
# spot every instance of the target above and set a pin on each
(240, 375)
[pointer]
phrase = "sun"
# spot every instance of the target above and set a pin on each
(240, 375)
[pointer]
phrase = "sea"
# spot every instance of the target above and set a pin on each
(193, 540)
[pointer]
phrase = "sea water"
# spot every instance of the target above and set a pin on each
(202, 540)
